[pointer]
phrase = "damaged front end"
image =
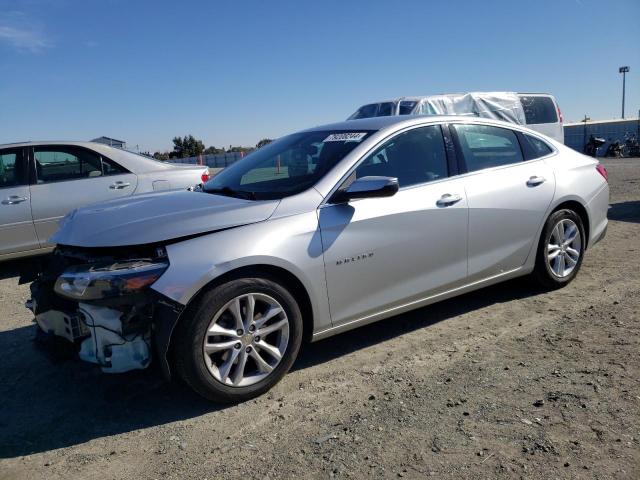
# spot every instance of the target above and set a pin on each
(99, 300)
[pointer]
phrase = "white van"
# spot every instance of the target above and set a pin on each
(538, 111)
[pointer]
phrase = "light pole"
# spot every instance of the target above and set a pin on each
(584, 131)
(623, 71)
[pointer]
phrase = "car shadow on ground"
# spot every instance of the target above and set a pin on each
(49, 404)
(378, 332)
(625, 211)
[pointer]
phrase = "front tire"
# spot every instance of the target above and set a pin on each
(242, 338)
(560, 250)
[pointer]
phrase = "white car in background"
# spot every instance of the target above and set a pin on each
(537, 111)
(40, 182)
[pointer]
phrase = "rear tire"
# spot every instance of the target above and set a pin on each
(226, 351)
(560, 250)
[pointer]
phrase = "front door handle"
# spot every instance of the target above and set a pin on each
(447, 200)
(119, 185)
(535, 181)
(13, 200)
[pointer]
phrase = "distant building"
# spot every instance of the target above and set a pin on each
(112, 142)
(577, 134)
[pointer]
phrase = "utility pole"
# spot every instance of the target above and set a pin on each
(623, 71)
(584, 131)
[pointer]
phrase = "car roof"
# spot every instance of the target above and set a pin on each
(131, 161)
(420, 97)
(398, 121)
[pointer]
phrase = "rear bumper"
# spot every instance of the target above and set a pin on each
(600, 236)
(597, 209)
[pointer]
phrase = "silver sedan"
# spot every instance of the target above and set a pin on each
(319, 232)
(40, 182)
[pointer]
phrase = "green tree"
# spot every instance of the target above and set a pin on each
(213, 150)
(164, 156)
(187, 146)
(263, 142)
(239, 149)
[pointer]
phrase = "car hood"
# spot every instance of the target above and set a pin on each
(157, 217)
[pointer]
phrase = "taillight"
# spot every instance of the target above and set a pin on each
(602, 171)
(205, 176)
(560, 114)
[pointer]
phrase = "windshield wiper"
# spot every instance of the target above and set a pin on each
(230, 192)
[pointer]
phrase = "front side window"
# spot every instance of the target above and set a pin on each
(406, 107)
(485, 146)
(413, 157)
(385, 109)
(56, 164)
(538, 109)
(286, 166)
(12, 168)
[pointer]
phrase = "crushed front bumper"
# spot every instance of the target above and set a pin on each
(119, 334)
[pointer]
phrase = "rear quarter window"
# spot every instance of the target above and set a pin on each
(109, 167)
(539, 109)
(533, 147)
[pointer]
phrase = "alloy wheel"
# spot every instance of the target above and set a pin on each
(246, 339)
(564, 248)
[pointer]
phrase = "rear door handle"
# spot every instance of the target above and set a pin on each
(119, 185)
(13, 200)
(535, 181)
(448, 199)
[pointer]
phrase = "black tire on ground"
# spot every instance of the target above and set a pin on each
(542, 273)
(188, 354)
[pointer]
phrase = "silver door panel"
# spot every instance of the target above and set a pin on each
(16, 225)
(380, 253)
(506, 208)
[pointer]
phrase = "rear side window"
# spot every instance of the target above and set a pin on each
(534, 147)
(12, 168)
(539, 109)
(57, 164)
(484, 146)
(61, 163)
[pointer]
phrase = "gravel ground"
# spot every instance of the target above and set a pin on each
(506, 382)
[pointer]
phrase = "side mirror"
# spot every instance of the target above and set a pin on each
(367, 187)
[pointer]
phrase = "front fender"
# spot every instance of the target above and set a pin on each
(292, 243)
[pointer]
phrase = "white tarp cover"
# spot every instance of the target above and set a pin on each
(504, 106)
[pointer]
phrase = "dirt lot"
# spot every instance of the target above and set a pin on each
(505, 382)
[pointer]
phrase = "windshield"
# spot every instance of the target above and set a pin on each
(286, 166)
(384, 109)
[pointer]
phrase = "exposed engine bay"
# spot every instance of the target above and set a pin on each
(98, 300)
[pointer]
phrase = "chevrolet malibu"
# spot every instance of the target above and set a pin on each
(321, 231)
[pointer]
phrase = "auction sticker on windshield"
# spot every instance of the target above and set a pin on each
(345, 137)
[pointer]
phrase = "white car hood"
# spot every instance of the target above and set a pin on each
(157, 217)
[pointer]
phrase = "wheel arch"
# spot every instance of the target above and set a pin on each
(279, 274)
(581, 211)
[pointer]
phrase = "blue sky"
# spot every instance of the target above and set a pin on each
(235, 72)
